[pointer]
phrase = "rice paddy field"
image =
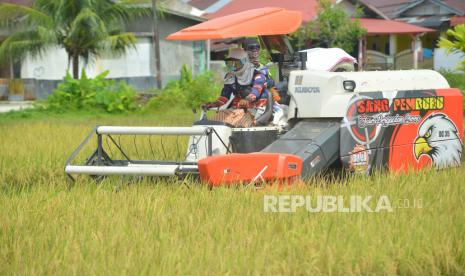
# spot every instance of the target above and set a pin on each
(49, 225)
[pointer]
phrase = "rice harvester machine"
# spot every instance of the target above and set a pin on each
(358, 121)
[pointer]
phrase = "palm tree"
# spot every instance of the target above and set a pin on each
(84, 28)
(456, 41)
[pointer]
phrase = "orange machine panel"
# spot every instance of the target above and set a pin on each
(245, 168)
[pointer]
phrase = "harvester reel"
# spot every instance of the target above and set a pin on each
(94, 160)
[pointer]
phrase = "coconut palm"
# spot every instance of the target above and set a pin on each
(84, 28)
(456, 41)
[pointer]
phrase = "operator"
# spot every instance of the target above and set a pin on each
(247, 84)
(252, 46)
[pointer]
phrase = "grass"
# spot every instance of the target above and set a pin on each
(48, 226)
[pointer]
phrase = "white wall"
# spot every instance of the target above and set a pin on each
(51, 65)
(446, 62)
(54, 63)
(135, 63)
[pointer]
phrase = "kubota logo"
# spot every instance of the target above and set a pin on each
(304, 89)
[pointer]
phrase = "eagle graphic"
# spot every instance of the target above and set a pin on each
(438, 138)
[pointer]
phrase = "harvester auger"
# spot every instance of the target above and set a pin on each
(399, 120)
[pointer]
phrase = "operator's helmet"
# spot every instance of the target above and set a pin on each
(236, 59)
(252, 46)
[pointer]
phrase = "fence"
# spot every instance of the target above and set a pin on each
(401, 61)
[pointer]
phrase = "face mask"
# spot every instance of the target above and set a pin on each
(234, 64)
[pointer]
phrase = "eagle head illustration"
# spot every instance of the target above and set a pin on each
(438, 138)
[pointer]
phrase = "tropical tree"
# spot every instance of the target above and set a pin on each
(84, 28)
(455, 42)
(331, 28)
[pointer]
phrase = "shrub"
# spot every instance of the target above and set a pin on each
(188, 91)
(331, 28)
(454, 42)
(456, 80)
(170, 96)
(87, 93)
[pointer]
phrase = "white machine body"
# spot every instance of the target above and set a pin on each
(198, 144)
(320, 94)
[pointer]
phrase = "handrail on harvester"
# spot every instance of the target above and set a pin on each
(123, 130)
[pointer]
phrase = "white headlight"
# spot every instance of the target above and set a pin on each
(349, 85)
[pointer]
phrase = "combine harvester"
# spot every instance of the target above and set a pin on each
(398, 120)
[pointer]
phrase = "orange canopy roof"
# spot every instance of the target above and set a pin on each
(264, 21)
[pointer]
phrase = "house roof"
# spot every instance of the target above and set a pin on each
(371, 7)
(388, 7)
(264, 21)
(208, 6)
(178, 8)
(172, 7)
(457, 20)
(306, 7)
(202, 4)
(382, 26)
(18, 2)
(456, 4)
(392, 8)
(442, 3)
(185, 15)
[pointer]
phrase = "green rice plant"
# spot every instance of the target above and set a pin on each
(49, 225)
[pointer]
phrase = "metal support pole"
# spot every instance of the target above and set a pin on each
(208, 54)
(210, 142)
(416, 43)
(280, 70)
(361, 53)
(392, 51)
(392, 44)
(99, 149)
